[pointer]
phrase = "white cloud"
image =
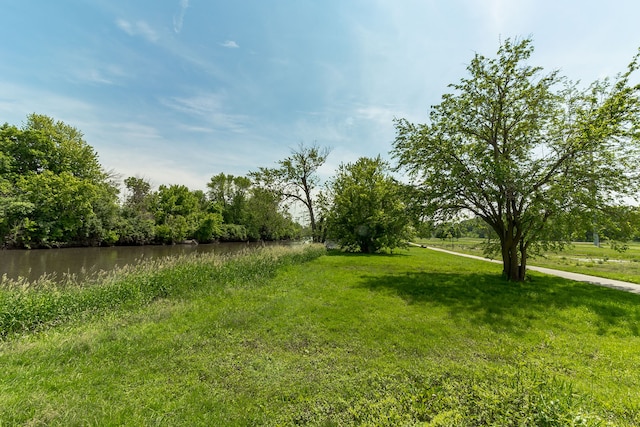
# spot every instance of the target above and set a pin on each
(94, 76)
(210, 108)
(179, 19)
(99, 74)
(195, 129)
(142, 148)
(139, 28)
(133, 131)
(201, 105)
(376, 113)
(230, 44)
(125, 26)
(18, 101)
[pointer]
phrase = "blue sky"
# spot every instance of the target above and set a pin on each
(176, 91)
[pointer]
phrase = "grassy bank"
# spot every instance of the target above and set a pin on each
(416, 337)
(585, 258)
(30, 306)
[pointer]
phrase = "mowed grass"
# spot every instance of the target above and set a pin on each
(580, 257)
(414, 338)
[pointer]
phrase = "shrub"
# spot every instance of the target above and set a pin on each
(234, 233)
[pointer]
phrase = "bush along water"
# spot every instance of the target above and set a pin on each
(31, 306)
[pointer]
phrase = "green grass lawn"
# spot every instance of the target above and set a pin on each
(581, 257)
(415, 338)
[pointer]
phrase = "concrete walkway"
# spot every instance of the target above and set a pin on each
(599, 281)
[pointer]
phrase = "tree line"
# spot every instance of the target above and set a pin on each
(533, 160)
(622, 225)
(55, 193)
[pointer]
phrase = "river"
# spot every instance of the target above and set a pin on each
(83, 262)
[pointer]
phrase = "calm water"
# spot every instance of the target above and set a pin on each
(85, 261)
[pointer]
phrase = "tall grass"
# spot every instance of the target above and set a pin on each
(414, 338)
(29, 306)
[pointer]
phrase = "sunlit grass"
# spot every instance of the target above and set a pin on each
(585, 258)
(417, 337)
(27, 306)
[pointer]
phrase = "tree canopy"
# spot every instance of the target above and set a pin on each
(525, 151)
(368, 212)
(296, 179)
(230, 193)
(54, 193)
(538, 158)
(54, 189)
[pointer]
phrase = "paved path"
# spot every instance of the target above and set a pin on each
(600, 281)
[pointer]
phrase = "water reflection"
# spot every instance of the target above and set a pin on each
(82, 262)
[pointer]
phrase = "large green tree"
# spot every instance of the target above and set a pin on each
(296, 179)
(136, 222)
(230, 193)
(368, 212)
(183, 214)
(524, 151)
(266, 218)
(54, 190)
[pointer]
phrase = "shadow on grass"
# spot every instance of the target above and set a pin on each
(514, 307)
(395, 253)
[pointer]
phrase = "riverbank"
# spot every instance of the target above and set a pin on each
(82, 264)
(32, 305)
(343, 339)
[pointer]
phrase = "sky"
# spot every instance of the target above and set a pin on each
(176, 91)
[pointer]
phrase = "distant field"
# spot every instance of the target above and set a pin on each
(415, 338)
(580, 257)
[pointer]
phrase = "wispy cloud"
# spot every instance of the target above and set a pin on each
(210, 108)
(134, 131)
(201, 105)
(195, 129)
(138, 28)
(17, 101)
(230, 44)
(178, 20)
(98, 74)
(144, 150)
(376, 113)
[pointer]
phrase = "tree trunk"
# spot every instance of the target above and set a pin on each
(318, 233)
(514, 254)
(315, 235)
(512, 269)
(523, 259)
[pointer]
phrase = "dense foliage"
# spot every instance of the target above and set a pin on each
(54, 190)
(368, 212)
(55, 193)
(296, 180)
(531, 154)
(537, 159)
